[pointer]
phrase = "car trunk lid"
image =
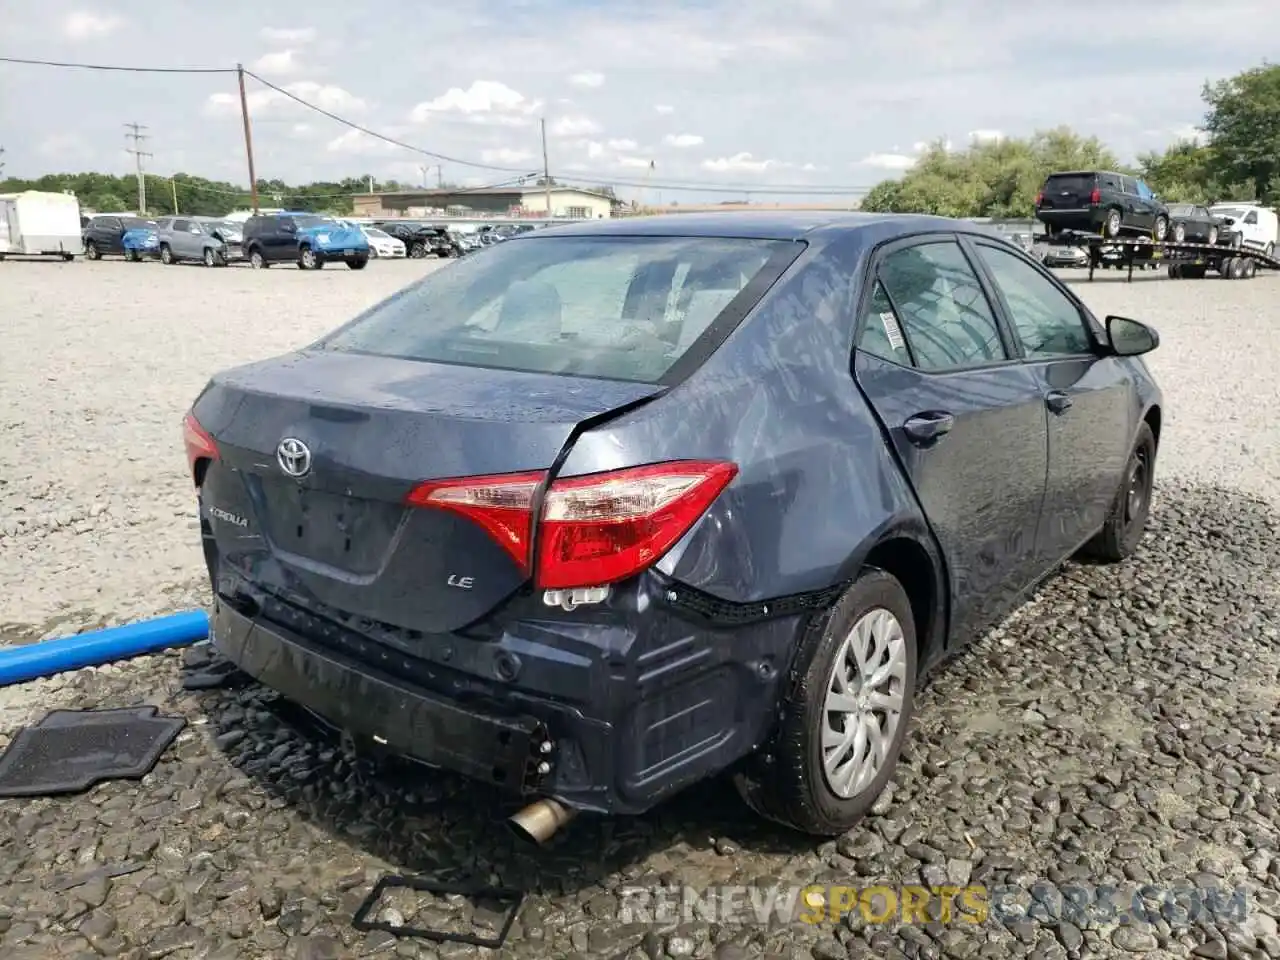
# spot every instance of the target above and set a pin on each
(361, 433)
(1067, 191)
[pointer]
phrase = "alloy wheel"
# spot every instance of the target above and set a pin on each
(863, 705)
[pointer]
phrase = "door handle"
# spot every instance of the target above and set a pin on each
(925, 428)
(1057, 401)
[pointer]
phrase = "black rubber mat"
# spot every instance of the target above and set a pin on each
(70, 750)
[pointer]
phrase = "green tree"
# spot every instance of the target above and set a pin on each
(1186, 172)
(1243, 123)
(990, 178)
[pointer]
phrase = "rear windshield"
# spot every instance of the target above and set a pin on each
(1073, 182)
(624, 308)
(1181, 209)
(1233, 212)
(134, 223)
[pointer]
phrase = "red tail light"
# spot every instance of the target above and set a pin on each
(594, 530)
(1039, 198)
(200, 445)
(1095, 198)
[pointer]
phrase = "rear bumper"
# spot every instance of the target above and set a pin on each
(505, 751)
(632, 713)
(1081, 218)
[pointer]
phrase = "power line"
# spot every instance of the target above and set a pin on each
(691, 186)
(116, 69)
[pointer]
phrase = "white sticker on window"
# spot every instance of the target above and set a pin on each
(892, 330)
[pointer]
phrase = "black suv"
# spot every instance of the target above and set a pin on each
(420, 239)
(1099, 201)
(307, 239)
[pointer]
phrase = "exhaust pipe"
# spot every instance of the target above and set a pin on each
(539, 822)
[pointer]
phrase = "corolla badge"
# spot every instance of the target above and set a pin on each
(294, 457)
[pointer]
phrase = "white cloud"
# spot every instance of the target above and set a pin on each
(986, 136)
(302, 129)
(288, 34)
(280, 63)
(587, 79)
(574, 126)
(622, 146)
(1189, 131)
(738, 163)
(682, 140)
(326, 96)
(889, 161)
(594, 150)
(83, 25)
(485, 101)
(505, 156)
(633, 163)
(355, 142)
(664, 108)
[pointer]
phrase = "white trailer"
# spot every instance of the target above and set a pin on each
(37, 224)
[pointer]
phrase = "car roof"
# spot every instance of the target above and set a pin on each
(754, 224)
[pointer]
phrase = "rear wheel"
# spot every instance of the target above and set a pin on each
(1269, 250)
(1127, 521)
(1213, 236)
(359, 263)
(91, 251)
(1238, 267)
(1161, 229)
(1250, 268)
(845, 714)
(1111, 226)
(1179, 233)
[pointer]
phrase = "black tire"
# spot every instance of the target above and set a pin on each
(257, 260)
(1269, 250)
(1161, 229)
(1179, 233)
(1224, 267)
(91, 252)
(785, 782)
(359, 263)
(1213, 236)
(1127, 522)
(1175, 271)
(166, 255)
(308, 259)
(418, 250)
(1112, 225)
(1250, 268)
(212, 258)
(132, 256)
(1238, 267)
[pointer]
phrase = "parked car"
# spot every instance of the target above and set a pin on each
(612, 508)
(210, 240)
(419, 239)
(306, 239)
(104, 236)
(1099, 201)
(1066, 257)
(1256, 225)
(382, 244)
(1193, 223)
(141, 243)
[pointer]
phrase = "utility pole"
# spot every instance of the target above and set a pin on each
(439, 176)
(173, 185)
(137, 136)
(423, 179)
(1, 161)
(546, 168)
(248, 138)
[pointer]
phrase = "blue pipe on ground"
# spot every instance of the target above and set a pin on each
(18, 664)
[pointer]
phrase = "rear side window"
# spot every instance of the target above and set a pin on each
(624, 308)
(882, 330)
(937, 297)
(181, 225)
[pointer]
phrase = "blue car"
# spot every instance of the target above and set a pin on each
(141, 243)
(626, 504)
(307, 239)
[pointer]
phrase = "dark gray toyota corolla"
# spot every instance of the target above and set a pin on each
(610, 508)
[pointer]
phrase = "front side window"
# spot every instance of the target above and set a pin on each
(1047, 323)
(940, 303)
(624, 308)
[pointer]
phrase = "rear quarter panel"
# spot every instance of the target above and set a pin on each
(817, 485)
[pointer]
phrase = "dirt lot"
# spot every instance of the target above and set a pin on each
(1120, 730)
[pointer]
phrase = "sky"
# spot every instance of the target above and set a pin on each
(727, 99)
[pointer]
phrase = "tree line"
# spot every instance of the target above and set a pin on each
(1238, 160)
(199, 196)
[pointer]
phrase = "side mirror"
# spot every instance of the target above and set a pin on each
(1130, 338)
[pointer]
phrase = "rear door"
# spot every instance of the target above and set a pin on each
(1067, 192)
(1131, 206)
(180, 239)
(965, 418)
(1088, 398)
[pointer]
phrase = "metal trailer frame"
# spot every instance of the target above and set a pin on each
(1191, 261)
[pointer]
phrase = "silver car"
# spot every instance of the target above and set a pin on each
(212, 241)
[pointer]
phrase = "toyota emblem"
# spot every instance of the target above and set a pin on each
(294, 457)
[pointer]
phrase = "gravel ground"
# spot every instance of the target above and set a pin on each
(1119, 730)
